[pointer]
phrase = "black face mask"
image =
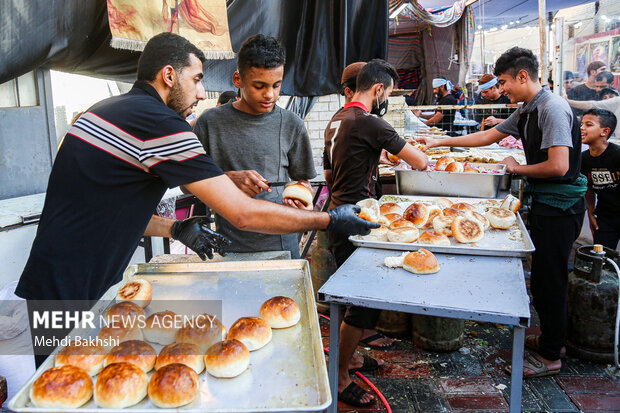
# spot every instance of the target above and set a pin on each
(381, 108)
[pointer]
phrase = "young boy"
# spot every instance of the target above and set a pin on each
(255, 142)
(601, 164)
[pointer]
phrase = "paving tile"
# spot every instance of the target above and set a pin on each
(420, 370)
(477, 403)
(467, 386)
(548, 391)
(427, 399)
(529, 402)
(455, 364)
(468, 364)
(590, 385)
(596, 402)
(396, 370)
(398, 393)
(496, 361)
(579, 367)
(399, 354)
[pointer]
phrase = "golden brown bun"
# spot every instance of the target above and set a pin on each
(401, 223)
(470, 169)
(124, 314)
(463, 206)
(228, 358)
(254, 332)
(443, 203)
(172, 386)
(377, 234)
(137, 290)
(454, 167)
(443, 162)
(501, 218)
(85, 354)
(204, 331)
(393, 158)
(511, 203)
(478, 216)
(467, 230)
(434, 212)
(417, 213)
(160, 327)
(391, 218)
(452, 212)
(403, 234)
(280, 312)
(183, 353)
(444, 224)
(433, 237)
(120, 385)
(390, 208)
(139, 353)
(370, 209)
(421, 262)
(65, 387)
(299, 192)
(115, 335)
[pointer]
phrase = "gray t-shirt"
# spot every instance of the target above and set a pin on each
(275, 144)
(555, 120)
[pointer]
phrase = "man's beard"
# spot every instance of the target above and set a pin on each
(175, 100)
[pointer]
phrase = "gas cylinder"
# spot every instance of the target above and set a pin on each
(592, 304)
(437, 333)
(322, 266)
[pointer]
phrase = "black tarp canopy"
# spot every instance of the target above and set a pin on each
(74, 36)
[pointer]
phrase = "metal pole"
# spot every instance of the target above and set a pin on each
(544, 58)
(558, 64)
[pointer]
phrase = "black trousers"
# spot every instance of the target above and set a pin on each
(553, 237)
(608, 232)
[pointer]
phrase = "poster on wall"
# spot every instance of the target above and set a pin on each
(599, 51)
(581, 53)
(614, 63)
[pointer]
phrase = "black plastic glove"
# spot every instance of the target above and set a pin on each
(344, 219)
(195, 233)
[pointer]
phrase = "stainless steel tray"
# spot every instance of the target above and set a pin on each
(481, 185)
(494, 243)
(288, 374)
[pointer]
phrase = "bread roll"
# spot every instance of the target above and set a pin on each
(452, 212)
(433, 237)
(390, 208)
(204, 331)
(137, 290)
(421, 262)
(139, 353)
(478, 216)
(65, 387)
(280, 312)
(391, 218)
(401, 223)
(228, 358)
(511, 203)
(463, 206)
(403, 234)
(443, 224)
(85, 354)
(120, 385)
(442, 162)
(501, 218)
(393, 158)
(113, 336)
(160, 327)
(433, 212)
(470, 169)
(417, 213)
(466, 230)
(184, 353)
(377, 234)
(299, 192)
(173, 386)
(443, 203)
(370, 209)
(454, 167)
(254, 332)
(125, 314)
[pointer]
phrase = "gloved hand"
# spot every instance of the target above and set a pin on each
(195, 233)
(344, 219)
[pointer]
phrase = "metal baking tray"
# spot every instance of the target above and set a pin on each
(494, 243)
(481, 185)
(288, 374)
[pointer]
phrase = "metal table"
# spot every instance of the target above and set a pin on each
(489, 289)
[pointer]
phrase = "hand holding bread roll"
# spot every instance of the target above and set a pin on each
(299, 192)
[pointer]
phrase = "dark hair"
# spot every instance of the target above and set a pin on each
(606, 76)
(260, 51)
(606, 118)
(568, 75)
(596, 65)
(376, 71)
(166, 49)
(608, 91)
(513, 60)
(227, 96)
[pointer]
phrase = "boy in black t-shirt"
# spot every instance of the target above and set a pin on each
(601, 164)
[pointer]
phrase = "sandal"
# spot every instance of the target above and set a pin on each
(531, 342)
(537, 366)
(368, 365)
(366, 342)
(353, 394)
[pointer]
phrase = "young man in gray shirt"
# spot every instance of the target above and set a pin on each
(552, 143)
(256, 142)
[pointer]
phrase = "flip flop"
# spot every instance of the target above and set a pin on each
(535, 339)
(353, 394)
(537, 366)
(368, 365)
(366, 342)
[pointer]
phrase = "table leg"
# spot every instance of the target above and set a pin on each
(334, 347)
(516, 378)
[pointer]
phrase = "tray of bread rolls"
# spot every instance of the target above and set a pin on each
(263, 353)
(450, 225)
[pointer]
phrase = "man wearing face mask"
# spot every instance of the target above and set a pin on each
(354, 139)
(443, 118)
